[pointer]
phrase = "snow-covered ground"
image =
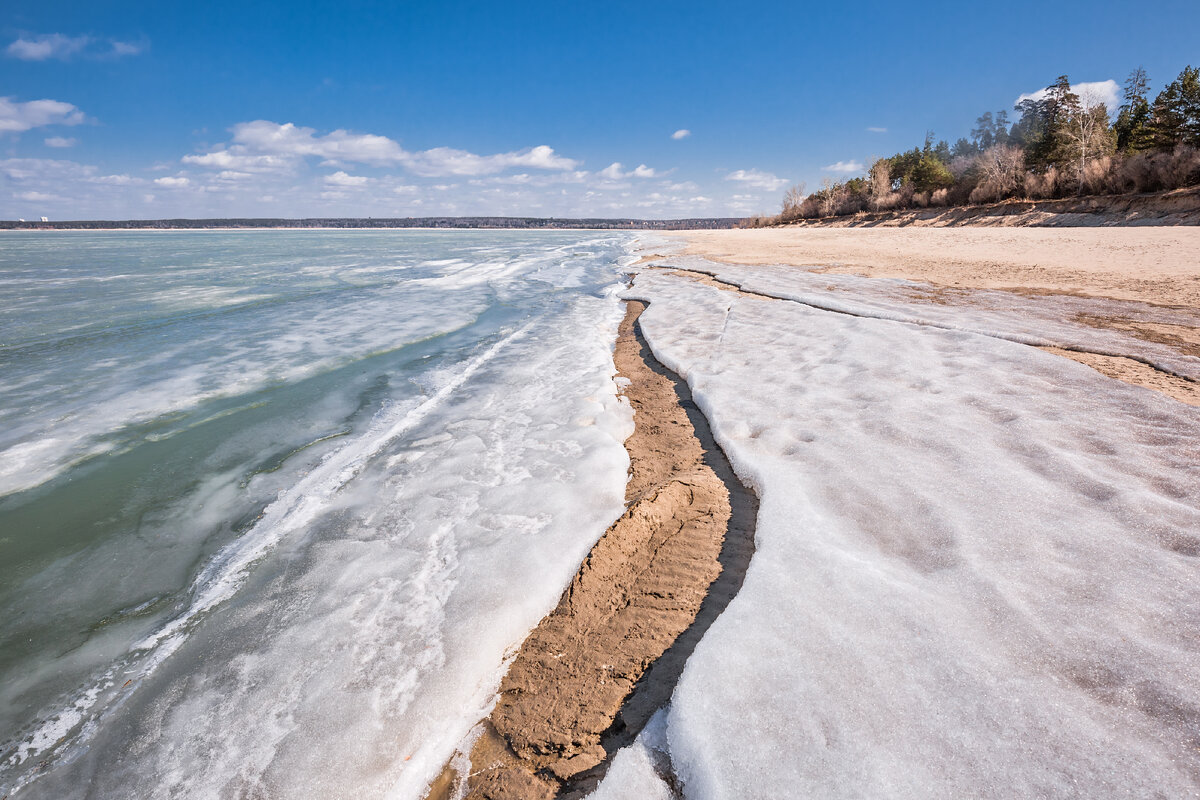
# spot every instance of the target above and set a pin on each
(977, 563)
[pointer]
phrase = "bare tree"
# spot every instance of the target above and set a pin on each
(792, 200)
(829, 197)
(880, 178)
(1086, 134)
(1001, 171)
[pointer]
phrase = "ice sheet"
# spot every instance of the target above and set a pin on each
(976, 562)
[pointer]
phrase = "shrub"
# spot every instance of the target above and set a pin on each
(1042, 186)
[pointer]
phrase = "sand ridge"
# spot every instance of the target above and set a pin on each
(594, 671)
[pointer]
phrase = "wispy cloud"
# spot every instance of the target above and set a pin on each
(844, 166)
(1107, 92)
(120, 49)
(60, 141)
(682, 133)
(874, 129)
(16, 117)
(757, 179)
(173, 183)
(46, 46)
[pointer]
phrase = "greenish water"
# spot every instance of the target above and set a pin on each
(251, 481)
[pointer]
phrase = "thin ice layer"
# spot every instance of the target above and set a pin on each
(975, 570)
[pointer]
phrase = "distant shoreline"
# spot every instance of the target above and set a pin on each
(370, 223)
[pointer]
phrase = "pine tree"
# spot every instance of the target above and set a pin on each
(1175, 115)
(1189, 81)
(1133, 119)
(1000, 128)
(983, 134)
(1040, 129)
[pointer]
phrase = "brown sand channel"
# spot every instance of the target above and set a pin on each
(590, 676)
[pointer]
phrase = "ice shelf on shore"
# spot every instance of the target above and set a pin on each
(976, 562)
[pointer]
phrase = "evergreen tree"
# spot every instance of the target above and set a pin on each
(1175, 116)
(983, 134)
(1133, 119)
(964, 148)
(1000, 128)
(1062, 107)
(1039, 129)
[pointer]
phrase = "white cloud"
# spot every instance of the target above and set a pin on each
(442, 161)
(56, 45)
(224, 159)
(340, 178)
(844, 166)
(44, 169)
(116, 180)
(874, 129)
(757, 179)
(36, 196)
(682, 133)
(615, 172)
(1107, 92)
(16, 117)
(261, 136)
(61, 141)
(50, 45)
(264, 145)
(173, 183)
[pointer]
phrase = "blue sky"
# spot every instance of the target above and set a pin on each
(114, 110)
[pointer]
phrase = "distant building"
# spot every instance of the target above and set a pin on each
(44, 219)
(20, 220)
